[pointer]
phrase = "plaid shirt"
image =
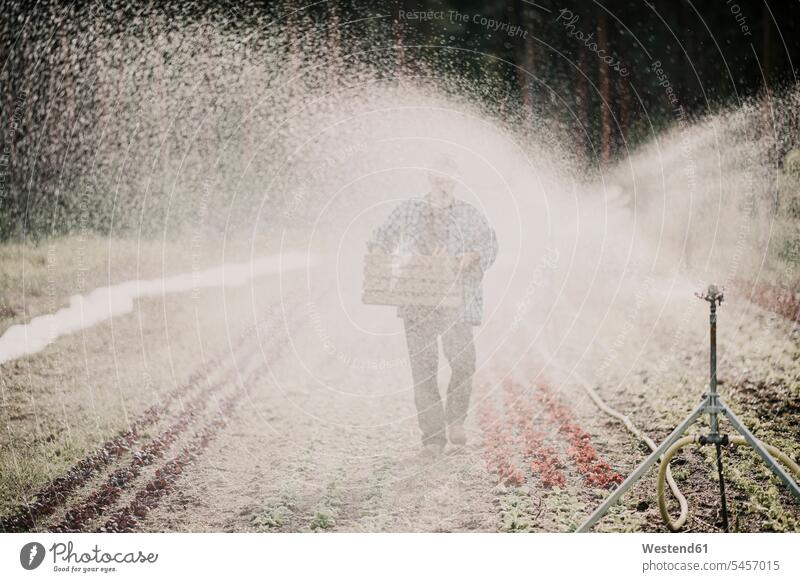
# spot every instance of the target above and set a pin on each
(416, 227)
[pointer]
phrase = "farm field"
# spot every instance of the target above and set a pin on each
(182, 416)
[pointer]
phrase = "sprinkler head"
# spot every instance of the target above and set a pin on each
(713, 294)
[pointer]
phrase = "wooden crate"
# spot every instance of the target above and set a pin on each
(412, 280)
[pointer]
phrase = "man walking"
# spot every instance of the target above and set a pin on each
(436, 224)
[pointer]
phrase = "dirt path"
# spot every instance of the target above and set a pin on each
(333, 452)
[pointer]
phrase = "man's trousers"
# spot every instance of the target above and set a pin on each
(422, 332)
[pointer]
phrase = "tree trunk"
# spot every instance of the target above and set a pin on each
(582, 99)
(524, 55)
(624, 93)
(605, 89)
(292, 38)
(688, 79)
(768, 128)
(399, 44)
(766, 47)
(334, 41)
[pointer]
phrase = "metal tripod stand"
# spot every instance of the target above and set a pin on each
(712, 405)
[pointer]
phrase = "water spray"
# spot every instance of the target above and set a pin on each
(713, 405)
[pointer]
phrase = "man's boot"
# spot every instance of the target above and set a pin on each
(430, 452)
(456, 434)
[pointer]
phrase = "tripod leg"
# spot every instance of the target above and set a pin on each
(722, 488)
(762, 452)
(639, 471)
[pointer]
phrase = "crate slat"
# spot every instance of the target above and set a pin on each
(412, 280)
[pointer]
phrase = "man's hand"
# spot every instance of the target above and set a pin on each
(469, 261)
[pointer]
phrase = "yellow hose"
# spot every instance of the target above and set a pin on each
(664, 473)
(682, 442)
(604, 407)
(601, 404)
